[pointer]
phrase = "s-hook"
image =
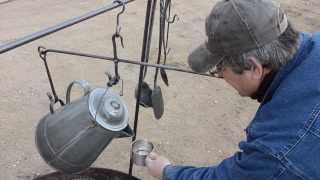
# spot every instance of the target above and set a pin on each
(118, 27)
(115, 79)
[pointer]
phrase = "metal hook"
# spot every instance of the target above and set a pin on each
(114, 44)
(114, 80)
(42, 53)
(118, 27)
(173, 20)
(54, 97)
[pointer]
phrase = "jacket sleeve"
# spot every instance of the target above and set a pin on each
(250, 163)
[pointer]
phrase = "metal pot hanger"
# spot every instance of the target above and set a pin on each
(114, 80)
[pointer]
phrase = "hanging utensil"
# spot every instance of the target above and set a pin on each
(153, 97)
(149, 36)
(164, 76)
(166, 13)
(157, 102)
(162, 42)
(156, 95)
(145, 94)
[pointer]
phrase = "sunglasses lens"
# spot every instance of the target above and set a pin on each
(216, 72)
(218, 75)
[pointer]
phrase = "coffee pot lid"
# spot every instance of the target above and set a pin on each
(108, 109)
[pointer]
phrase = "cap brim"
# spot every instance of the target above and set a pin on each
(201, 59)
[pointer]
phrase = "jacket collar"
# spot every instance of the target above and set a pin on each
(261, 92)
(303, 51)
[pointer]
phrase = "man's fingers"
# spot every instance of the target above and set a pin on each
(153, 156)
(148, 161)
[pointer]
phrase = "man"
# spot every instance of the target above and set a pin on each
(253, 47)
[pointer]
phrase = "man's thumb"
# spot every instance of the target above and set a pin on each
(153, 156)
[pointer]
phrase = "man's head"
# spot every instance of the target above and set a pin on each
(246, 40)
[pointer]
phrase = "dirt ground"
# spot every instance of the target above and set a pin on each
(204, 118)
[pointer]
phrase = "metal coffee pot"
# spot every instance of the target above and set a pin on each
(71, 138)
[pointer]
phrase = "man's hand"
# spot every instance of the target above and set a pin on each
(156, 164)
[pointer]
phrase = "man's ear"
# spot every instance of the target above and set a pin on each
(257, 69)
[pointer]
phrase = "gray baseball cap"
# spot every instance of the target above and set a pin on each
(237, 26)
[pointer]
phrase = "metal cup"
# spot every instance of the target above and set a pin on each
(140, 150)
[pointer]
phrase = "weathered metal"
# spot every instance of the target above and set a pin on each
(144, 56)
(32, 37)
(122, 60)
(72, 137)
(90, 174)
(140, 150)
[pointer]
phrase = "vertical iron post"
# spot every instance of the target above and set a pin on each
(151, 5)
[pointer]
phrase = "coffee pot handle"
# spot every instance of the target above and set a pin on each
(83, 83)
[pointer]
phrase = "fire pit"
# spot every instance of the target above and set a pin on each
(90, 174)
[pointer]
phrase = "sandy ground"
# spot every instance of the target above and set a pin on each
(204, 118)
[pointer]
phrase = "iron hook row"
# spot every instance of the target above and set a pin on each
(118, 27)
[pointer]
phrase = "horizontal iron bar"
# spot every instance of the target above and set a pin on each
(32, 37)
(123, 61)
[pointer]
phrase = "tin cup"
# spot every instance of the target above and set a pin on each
(140, 150)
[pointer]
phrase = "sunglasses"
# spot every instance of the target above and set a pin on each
(217, 70)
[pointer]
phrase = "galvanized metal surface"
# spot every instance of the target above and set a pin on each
(70, 139)
(108, 109)
(140, 150)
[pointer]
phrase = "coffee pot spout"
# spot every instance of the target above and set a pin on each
(126, 132)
